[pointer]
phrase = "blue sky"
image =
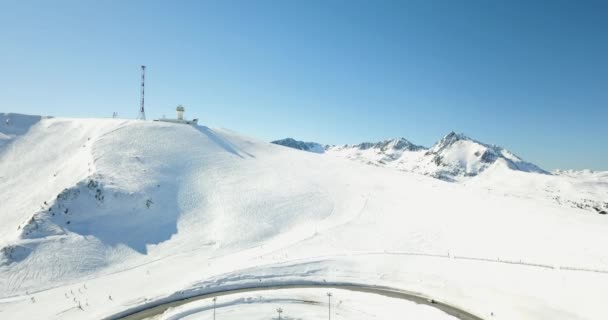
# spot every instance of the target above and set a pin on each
(531, 76)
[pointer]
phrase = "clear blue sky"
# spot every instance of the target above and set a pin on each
(528, 75)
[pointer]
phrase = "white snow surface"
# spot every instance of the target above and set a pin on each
(160, 211)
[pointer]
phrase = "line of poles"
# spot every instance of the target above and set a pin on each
(280, 310)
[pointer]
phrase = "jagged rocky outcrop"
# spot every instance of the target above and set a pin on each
(301, 145)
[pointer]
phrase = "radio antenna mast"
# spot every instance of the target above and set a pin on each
(142, 112)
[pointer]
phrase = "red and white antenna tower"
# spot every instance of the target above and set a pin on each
(142, 112)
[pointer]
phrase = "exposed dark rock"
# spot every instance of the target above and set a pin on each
(300, 145)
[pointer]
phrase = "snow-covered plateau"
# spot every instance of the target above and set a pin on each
(103, 217)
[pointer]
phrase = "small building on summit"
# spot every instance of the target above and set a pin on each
(180, 117)
(180, 112)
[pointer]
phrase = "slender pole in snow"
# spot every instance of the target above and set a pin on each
(279, 311)
(142, 112)
(214, 299)
(329, 304)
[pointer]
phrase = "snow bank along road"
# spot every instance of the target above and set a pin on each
(99, 216)
(385, 291)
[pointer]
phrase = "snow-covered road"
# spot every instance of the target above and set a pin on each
(417, 298)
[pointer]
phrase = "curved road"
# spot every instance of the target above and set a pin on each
(385, 291)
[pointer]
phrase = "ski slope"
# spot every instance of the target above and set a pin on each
(100, 216)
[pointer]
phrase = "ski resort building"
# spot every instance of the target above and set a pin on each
(180, 117)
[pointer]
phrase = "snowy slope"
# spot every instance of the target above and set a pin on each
(113, 190)
(14, 125)
(161, 211)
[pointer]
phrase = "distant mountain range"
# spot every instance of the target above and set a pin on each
(458, 158)
(455, 157)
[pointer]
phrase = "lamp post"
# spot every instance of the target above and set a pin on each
(279, 311)
(214, 299)
(329, 304)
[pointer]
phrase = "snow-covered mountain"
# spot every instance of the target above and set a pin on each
(300, 145)
(454, 158)
(391, 146)
(377, 153)
(458, 158)
(101, 216)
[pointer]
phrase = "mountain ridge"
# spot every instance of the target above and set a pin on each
(457, 158)
(395, 143)
(397, 149)
(300, 145)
